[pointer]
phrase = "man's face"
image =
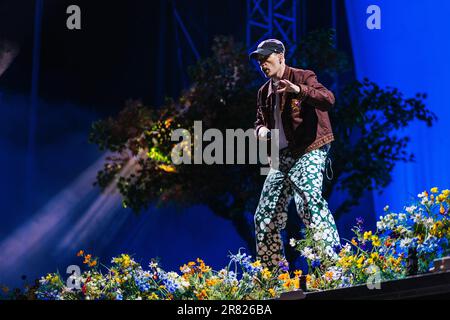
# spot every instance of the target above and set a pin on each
(270, 65)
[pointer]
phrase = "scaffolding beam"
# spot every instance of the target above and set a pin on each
(272, 19)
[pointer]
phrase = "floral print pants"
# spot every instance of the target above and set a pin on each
(302, 179)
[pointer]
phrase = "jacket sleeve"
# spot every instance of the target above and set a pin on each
(259, 123)
(315, 93)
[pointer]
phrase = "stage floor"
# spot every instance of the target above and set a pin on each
(426, 286)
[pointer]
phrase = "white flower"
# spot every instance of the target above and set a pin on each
(416, 217)
(293, 242)
(429, 222)
(422, 195)
(318, 236)
(381, 226)
(410, 209)
(184, 282)
(402, 230)
(223, 273)
(172, 275)
(404, 243)
(337, 272)
(346, 248)
(308, 253)
(386, 208)
(186, 270)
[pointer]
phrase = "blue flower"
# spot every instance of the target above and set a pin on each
(337, 248)
(143, 282)
(230, 278)
(239, 257)
(359, 224)
(245, 261)
(169, 283)
(430, 245)
(248, 267)
(315, 263)
(284, 265)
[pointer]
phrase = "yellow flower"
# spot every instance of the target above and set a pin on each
(440, 198)
(87, 258)
(420, 238)
(436, 229)
(296, 282)
(434, 190)
(93, 263)
(288, 283)
(80, 253)
(284, 276)
(345, 262)
(359, 262)
(153, 296)
(168, 122)
(329, 275)
(376, 241)
(298, 273)
(203, 267)
(55, 279)
(256, 264)
(272, 292)
(124, 260)
(354, 242)
(367, 235)
(446, 193)
(442, 209)
(167, 168)
(266, 274)
(308, 279)
(212, 282)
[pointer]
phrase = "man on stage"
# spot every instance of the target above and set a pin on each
(296, 104)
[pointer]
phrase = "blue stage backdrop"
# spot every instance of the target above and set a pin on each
(411, 51)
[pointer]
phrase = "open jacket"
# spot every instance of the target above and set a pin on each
(304, 115)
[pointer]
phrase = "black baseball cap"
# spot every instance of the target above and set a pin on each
(267, 47)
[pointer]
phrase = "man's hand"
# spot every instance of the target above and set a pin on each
(287, 86)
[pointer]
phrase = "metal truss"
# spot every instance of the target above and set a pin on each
(272, 19)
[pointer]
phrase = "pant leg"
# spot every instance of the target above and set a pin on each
(306, 176)
(271, 217)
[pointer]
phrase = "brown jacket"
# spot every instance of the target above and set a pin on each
(304, 115)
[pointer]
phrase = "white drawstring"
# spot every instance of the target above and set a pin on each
(331, 169)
